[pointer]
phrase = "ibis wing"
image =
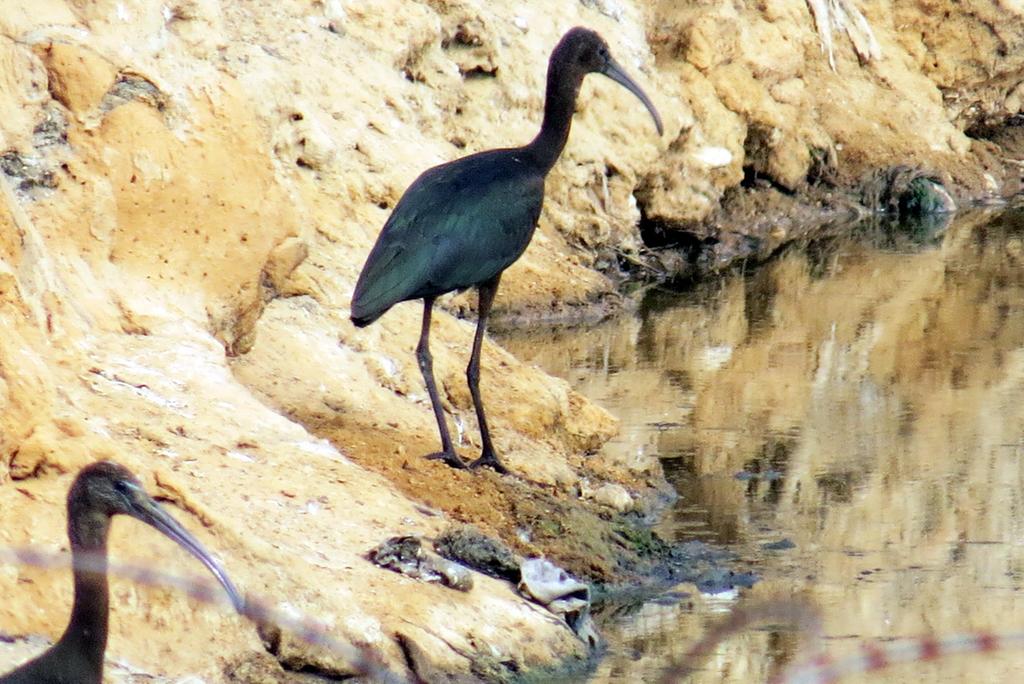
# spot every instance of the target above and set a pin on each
(457, 225)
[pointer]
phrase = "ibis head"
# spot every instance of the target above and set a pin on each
(103, 490)
(582, 51)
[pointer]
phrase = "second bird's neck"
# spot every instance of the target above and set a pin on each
(87, 630)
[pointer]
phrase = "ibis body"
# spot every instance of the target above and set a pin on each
(461, 224)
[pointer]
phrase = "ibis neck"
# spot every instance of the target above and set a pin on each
(88, 625)
(87, 630)
(559, 105)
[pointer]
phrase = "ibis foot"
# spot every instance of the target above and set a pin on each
(489, 459)
(449, 457)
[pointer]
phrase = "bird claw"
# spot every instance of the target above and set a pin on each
(490, 460)
(449, 457)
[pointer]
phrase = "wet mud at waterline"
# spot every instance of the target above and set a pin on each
(849, 419)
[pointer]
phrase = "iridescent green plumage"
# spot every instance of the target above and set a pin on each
(461, 224)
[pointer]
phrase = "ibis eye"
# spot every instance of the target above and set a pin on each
(122, 487)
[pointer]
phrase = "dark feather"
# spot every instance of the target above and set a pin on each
(457, 225)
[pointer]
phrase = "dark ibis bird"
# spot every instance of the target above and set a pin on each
(461, 224)
(101, 491)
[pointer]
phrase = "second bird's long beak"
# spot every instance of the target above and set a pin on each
(615, 72)
(150, 512)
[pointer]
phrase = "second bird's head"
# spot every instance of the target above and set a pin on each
(103, 490)
(584, 51)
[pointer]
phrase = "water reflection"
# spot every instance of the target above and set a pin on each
(862, 397)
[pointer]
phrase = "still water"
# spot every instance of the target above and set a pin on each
(869, 393)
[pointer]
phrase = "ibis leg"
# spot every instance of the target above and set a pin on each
(487, 456)
(426, 361)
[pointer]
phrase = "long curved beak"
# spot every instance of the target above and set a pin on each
(615, 72)
(150, 512)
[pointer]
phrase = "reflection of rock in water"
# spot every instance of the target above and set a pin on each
(905, 233)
